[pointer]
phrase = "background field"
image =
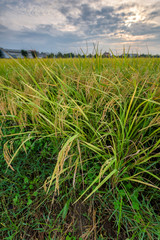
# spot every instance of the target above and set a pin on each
(80, 148)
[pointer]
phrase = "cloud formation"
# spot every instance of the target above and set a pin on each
(62, 25)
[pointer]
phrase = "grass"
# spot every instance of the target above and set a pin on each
(80, 144)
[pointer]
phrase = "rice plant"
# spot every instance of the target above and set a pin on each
(96, 124)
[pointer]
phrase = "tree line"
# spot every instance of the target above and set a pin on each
(35, 54)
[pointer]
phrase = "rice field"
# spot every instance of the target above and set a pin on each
(80, 152)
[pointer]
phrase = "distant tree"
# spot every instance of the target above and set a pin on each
(1, 54)
(59, 55)
(96, 55)
(34, 53)
(106, 55)
(51, 55)
(66, 55)
(89, 55)
(157, 56)
(24, 53)
(71, 55)
(144, 55)
(79, 55)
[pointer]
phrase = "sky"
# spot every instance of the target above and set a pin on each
(72, 25)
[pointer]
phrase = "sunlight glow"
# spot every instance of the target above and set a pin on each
(137, 16)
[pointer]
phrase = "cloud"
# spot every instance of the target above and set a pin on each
(3, 29)
(70, 24)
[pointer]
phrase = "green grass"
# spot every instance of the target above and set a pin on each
(80, 144)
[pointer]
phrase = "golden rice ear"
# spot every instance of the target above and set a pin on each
(62, 156)
(45, 185)
(157, 95)
(3, 105)
(60, 162)
(12, 107)
(75, 171)
(7, 152)
(1, 133)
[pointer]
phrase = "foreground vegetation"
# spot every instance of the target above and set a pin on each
(80, 148)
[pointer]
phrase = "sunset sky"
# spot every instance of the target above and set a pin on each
(69, 25)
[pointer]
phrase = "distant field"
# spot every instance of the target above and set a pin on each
(81, 146)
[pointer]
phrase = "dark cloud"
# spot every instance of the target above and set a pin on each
(126, 6)
(153, 14)
(144, 29)
(44, 28)
(106, 14)
(93, 21)
(3, 29)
